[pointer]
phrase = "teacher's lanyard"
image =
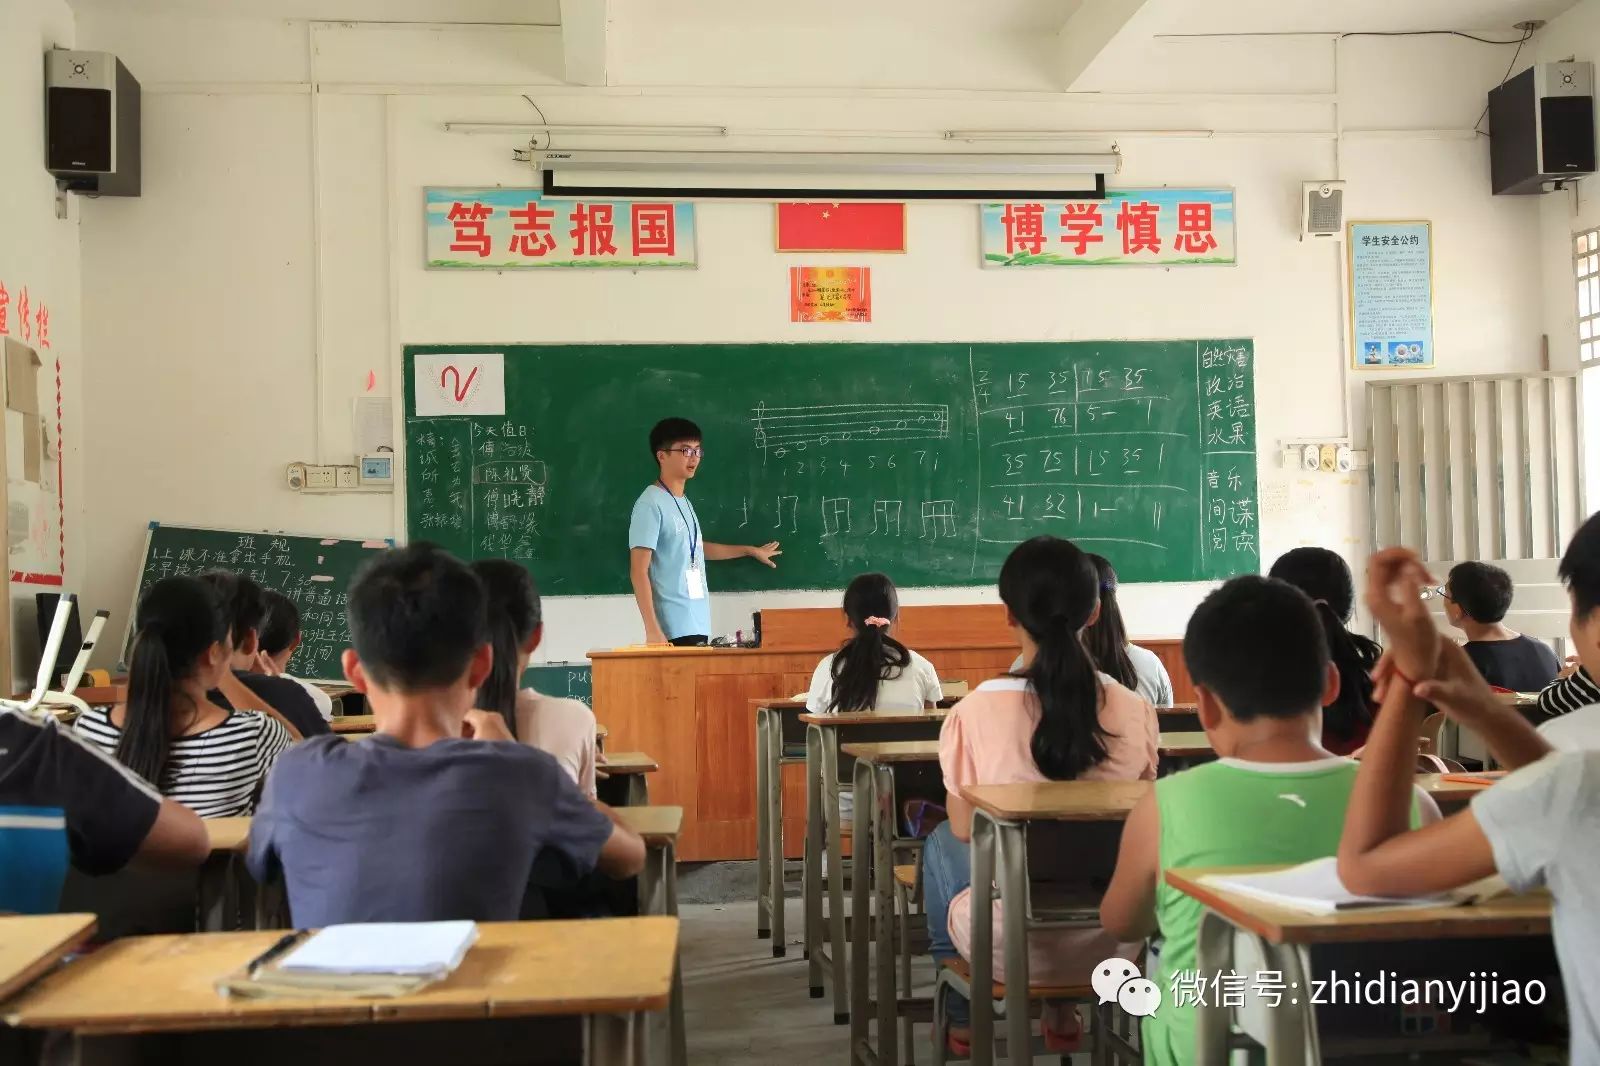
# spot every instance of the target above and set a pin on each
(694, 530)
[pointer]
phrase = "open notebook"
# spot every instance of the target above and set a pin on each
(1314, 887)
(376, 959)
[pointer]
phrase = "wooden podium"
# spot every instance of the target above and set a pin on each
(689, 708)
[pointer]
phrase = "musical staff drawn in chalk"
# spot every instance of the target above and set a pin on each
(778, 429)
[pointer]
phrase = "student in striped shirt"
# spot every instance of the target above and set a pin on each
(209, 759)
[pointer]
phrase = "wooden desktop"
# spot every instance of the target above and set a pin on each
(690, 707)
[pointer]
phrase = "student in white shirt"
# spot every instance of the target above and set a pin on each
(562, 727)
(1135, 668)
(872, 670)
(278, 640)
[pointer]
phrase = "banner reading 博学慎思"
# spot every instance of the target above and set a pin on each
(1130, 227)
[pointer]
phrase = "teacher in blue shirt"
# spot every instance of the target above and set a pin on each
(667, 556)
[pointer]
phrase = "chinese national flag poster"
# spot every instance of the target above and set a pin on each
(872, 227)
(830, 294)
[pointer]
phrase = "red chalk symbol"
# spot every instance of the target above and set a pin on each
(460, 389)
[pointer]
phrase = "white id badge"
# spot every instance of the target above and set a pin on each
(695, 578)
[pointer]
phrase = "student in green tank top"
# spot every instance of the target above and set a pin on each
(1259, 660)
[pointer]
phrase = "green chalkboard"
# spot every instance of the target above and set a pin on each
(926, 461)
(315, 572)
(566, 680)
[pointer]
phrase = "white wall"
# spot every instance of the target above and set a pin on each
(39, 251)
(203, 304)
(1575, 34)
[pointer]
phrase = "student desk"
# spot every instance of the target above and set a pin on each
(1180, 751)
(1280, 933)
(219, 873)
(352, 723)
(876, 817)
(1001, 814)
(689, 707)
(824, 835)
(774, 719)
(658, 895)
(627, 785)
(526, 992)
(30, 944)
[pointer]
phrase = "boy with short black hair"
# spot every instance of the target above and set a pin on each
(1535, 827)
(667, 556)
(439, 814)
(1256, 652)
(1476, 599)
(244, 607)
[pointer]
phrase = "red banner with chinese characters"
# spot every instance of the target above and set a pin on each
(828, 227)
(515, 229)
(830, 294)
(1155, 227)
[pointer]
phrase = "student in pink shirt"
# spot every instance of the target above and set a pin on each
(1057, 719)
(562, 727)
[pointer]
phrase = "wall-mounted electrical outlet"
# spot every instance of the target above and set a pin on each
(319, 477)
(344, 477)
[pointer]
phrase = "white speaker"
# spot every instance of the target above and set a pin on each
(1322, 210)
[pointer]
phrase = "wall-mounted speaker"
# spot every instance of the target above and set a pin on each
(91, 123)
(1541, 128)
(1322, 210)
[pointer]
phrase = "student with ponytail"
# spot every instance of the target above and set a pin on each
(1057, 719)
(1325, 577)
(562, 727)
(210, 759)
(872, 670)
(1107, 640)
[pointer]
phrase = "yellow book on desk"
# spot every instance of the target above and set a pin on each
(367, 960)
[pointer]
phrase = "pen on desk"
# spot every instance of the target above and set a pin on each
(283, 944)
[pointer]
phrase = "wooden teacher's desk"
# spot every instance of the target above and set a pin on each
(690, 707)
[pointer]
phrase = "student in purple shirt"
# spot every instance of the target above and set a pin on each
(440, 814)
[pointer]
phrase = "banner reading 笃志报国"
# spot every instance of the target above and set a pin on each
(514, 229)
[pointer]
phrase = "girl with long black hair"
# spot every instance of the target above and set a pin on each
(210, 759)
(1107, 640)
(1058, 718)
(1325, 577)
(563, 727)
(872, 670)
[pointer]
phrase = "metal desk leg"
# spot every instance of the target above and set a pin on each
(881, 828)
(983, 860)
(613, 1040)
(216, 892)
(813, 858)
(638, 790)
(774, 757)
(1292, 1039)
(1012, 853)
(861, 911)
(1213, 954)
(836, 941)
(764, 893)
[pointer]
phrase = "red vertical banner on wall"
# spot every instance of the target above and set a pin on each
(826, 227)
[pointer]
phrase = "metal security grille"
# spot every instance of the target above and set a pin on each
(1486, 468)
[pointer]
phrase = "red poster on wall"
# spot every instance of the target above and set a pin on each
(827, 227)
(830, 294)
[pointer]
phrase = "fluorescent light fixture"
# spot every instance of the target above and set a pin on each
(1064, 135)
(594, 130)
(822, 175)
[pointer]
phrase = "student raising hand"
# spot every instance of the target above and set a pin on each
(1395, 580)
